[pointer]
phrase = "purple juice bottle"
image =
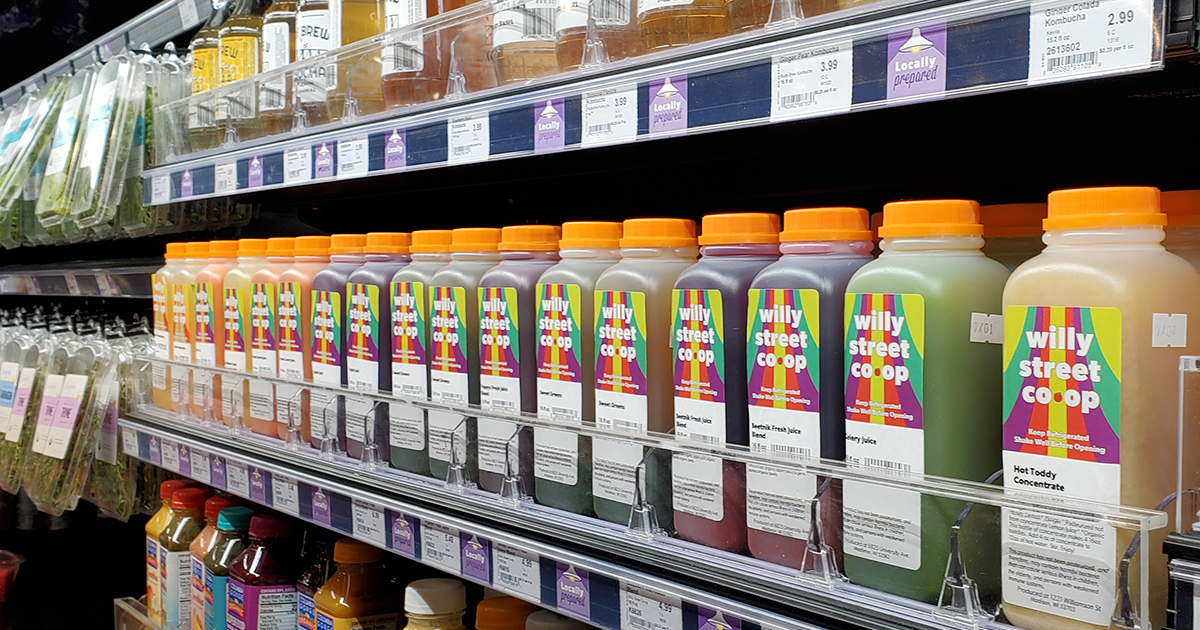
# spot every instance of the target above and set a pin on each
(329, 300)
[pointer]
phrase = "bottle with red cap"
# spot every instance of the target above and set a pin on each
(175, 557)
(262, 581)
(154, 527)
(201, 545)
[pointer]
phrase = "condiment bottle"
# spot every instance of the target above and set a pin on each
(232, 526)
(546, 620)
(435, 604)
(430, 252)
(199, 548)
(262, 589)
(209, 336)
(508, 345)
(296, 342)
(154, 528)
(502, 613)
(369, 339)
(328, 287)
(454, 335)
(1093, 339)
(941, 386)
(1182, 208)
(264, 349)
(567, 362)
(708, 325)
(164, 325)
(358, 594)
(175, 557)
(278, 50)
(1012, 233)
(235, 392)
(634, 387)
(796, 336)
(314, 576)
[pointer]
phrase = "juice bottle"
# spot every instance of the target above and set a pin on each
(199, 548)
(262, 580)
(311, 255)
(314, 576)
(210, 324)
(747, 15)
(1012, 233)
(502, 613)
(264, 352)
(164, 325)
(241, 58)
(198, 382)
(417, 65)
(232, 526)
(943, 419)
(357, 20)
(615, 27)
(795, 345)
(1103, 279)
(278, 50)
(358, 594)
(154, 527)
(708, 313)
(235, 392)
(566, 369)
(670, 24)
(435, 604)
(178, 298)
(1182, 208)
(508, 345)
(315, 36)
(454, 335)
(329, 318)
(523, 41)
(175, 559)
(546, 620)
(634, 388)
(369, 342)
(410, 368)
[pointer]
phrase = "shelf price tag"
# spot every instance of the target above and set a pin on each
(220, 473)
(226, 178)
(254, 173)
(811, 82)
(469, 138)
(160, 190)
(549, 126)
(285, 495)
(648, 609)
(476, 558)
(610, 116)
(129, 442)
(321, 512)
(105, 283)
(368, 522)
(572, 588)
(404, 535)
(238, 479)
(260, 486)
(201, 469)
(154, 450)
(297, 165)
(323, 156)
(517, 571)
(352, 157)
(669, 104)
(440, 547)
(395, 150)
(169, 454)
(1071, 39)
(188, 14)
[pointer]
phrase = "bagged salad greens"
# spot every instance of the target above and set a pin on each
(31, 351)
(137, 218)
(24, 155)
(53, 205)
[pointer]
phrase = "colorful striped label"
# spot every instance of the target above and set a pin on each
(410, 375)
(237, 303)
(698, 346)
(364, 322)
(499, 349)
(202, 294)
(621, 405)
(262, 319)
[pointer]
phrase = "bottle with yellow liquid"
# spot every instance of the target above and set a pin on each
(206, 75)
(241, 58)
(747, 15)
(278, 50)
(523, 46)
(615, 27)
(673, 23)
(416, 66)
(358, 74)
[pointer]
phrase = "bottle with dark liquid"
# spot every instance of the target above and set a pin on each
(416, 66)
(673, 23)
(614, 26)
(523, 46)
(278, 50)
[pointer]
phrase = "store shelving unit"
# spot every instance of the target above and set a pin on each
(130, 279)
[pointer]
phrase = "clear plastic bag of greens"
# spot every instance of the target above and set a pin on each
(25, 153)
(14, 126)
(54, 204)
(113, 482)
(137, 218)
(31, 353)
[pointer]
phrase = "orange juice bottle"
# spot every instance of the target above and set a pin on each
(295, 343)
(210, 324)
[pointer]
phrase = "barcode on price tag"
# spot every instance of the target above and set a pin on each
(469, 138)
(812, 81)
(440, 547)
(285, 494)
(352, 157)
(160, 190)
(1069, 40)
(517, 571)
(368, 522)
(129, 442)
(644, 608)
(201, 467)
(297, 163)
(170, 455)
(238, 479)
(226, 178)
(609, 116)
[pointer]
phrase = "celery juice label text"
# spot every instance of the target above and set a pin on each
(621, 406)
(263, 351)
(500, 372)
(410, 376)
(1062, 435)
(326, 358)
(559, 382)
(698, 347)
(885, 345)
(291, 353)
(362, 355)
(448, 369)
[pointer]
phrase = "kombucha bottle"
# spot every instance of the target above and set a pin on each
(315, 36)
(614, 26)
(673, 23)
(356, 20)
(240, 44)
(278, 50)
(523, 42)
(416, 66)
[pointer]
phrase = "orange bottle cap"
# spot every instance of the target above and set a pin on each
(347, 243)
(1104, 207)
(1182, 208)
(825, 224)
(197, 249)
(388, 242)
(222, 249)
(281, 246)
(590, 234)
(503, 613)
(659, 233)
(739, 228)
(350, 551)
(935, 217)
(1012, 219)
(475, 240)
(530, 238)
(431, 241)
(252, 247)
(176, 250)
(313, 246)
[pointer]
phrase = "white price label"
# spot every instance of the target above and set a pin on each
(201, 467)
(226, 178)
(237, 479)
(170, 455)
(1170, 330)
(285, 494)
(368, 523)
(647, 609)
(812, 81)
(987, 328)
(610, 116)
(129, 442)
(188, 14)
(352, 157)
(1071, 39)
(469, 138)
(440, 547)
(297, 165)
(517, 571)
(160, 190)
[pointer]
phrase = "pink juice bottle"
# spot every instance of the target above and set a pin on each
(329, 319)
(707, 339)
(263, 351)
(296, 346)
(209, 337)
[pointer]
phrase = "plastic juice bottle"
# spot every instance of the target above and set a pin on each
(503, 613)
(164, 325)
(546, 620)
(944, 421)
(210, 324)
(264, 352)
(1012, 233)
(314, 576)
(154, 527)
(198, 381)
(369, 338)
(668, 24)
(295, 338)
(417, 66)
(278, 50)
(179, 299)
(508, 345)
(410, 368)
(1182, 208)
(315, 35)
(454, 335)
(357, 20)
(175, 559)
(615, 26)
(262, 581)
(232, 527)
(1103, 279)
(235, 392)
(709, 306)
(358, 594)
(199, 548)
(795, 345)
(435, 604)
(523, 42)
(329, 319)
(634, 388)
(566, 362)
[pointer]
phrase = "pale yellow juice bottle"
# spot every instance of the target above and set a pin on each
(164, 325)
(1094, 329)
(235, 392)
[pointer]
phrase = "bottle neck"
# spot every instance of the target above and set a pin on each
(393, 258)
(527, 255)
(435, 257)
(591, 253)
(493, 257)
(747, 249)
(282, 259)
(682, 253)
(312, 259)
(265, 541)
(253, 260)
(348, 258)
(818, 248)
(926, 244)
(1141, 236)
